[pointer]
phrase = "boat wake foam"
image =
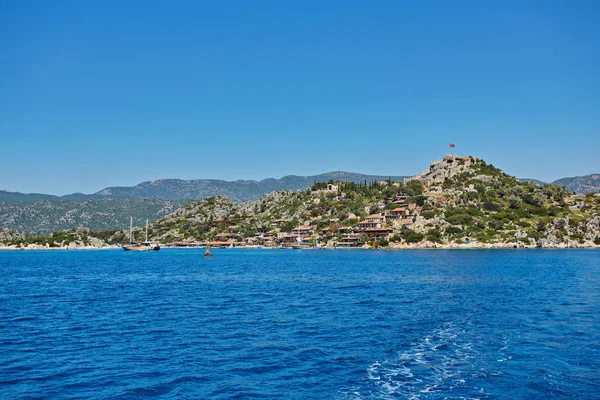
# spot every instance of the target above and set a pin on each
(443, 363)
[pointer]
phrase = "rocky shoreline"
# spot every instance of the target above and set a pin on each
(69, 247)
(393, 246)
(459, 202)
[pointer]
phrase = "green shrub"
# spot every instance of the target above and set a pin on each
(411, 236)
(453, 230)
(459, 219)
(434, 235)
(395, 238)
(577, 236)
(414, 188)
(495, 224)
(491, 206)
(532, 233)
(390, 206)
(535, 200)
(418, 200)
(514, 202)
(318, 186)
(574, 221)
(428, 214)
(473, 211)
(540, 226)
(382, 243)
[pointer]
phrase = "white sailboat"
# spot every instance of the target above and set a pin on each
(144, 246)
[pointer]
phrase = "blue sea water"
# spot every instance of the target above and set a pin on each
(323, 324)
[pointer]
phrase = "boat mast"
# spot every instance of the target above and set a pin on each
(146, 229)
(131, 230)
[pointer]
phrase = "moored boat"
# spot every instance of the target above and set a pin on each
(144, 246)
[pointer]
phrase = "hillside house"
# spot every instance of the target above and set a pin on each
(377, 218)
(378, 232)
(396, 213)
(362, 225)
(372, 221)
(288, 240)
(303, 230)
(184, 243)
(222, 244)
(349, 241)
(228, 237)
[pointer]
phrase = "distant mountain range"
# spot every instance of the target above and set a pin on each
(46, 216)
(577, 184)
(533, 180)
(179, 189)
(581, 184)
(240, 190)
(17, 197)
(111, 207)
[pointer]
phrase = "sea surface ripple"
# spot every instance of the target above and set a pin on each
(297, 324)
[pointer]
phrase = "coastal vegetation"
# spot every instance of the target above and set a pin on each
(111, 207)
(68, 239)
(456, 202)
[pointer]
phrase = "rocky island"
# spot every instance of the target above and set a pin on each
(458, 202)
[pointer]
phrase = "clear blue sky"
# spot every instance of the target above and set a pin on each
(105, 93)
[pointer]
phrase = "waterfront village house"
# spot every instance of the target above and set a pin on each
(231, 237)
(184, 243)
(287, 240)
(268, 238)
(280, 221)
(222, 244)
(351, 240)
(372, 221)
(378, 232)
(303, 229)
(352, 217)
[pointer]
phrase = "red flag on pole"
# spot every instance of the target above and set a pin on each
(452, 145)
